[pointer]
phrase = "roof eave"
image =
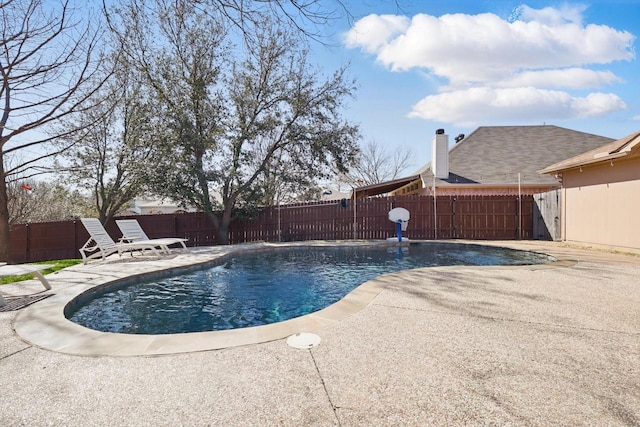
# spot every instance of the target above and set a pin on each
(384, 187)
(558, 167)
(513, 184)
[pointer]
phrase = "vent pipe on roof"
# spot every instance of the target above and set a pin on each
(440, 155)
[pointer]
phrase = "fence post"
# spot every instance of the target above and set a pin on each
(519, 216)
(355, 220)
(455, 219)
(175, 226)
(279, 223)
(28, 245)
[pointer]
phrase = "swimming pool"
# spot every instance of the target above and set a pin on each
(262, 287)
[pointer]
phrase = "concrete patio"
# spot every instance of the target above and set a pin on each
(551, 345)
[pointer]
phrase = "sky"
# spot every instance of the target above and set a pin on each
(457, 65)
(423, 65)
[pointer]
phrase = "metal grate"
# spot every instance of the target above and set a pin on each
(16, 303)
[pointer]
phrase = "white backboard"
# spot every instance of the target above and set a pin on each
(398, 214)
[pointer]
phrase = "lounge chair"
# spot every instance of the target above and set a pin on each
(133, 232)
(20, 269)
(101, 245)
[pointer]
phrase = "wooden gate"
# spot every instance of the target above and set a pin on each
(547, 215)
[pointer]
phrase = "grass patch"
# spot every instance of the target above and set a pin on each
(57, 265)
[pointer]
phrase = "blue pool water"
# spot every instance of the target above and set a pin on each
(262, 287)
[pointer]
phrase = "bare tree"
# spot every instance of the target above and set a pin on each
(378, 164)
(310, 18)
(39, 201)
(49, 63)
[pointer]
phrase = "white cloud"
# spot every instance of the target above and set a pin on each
(597, 104)
(374, 31)
(475, 106)
(521, 68)
(485, 47)
(570, 78)
(550, 15)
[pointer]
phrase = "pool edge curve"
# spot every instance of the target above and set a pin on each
(44, 325)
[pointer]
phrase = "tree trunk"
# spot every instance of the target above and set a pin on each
(222, 234)
(222, 231)
(5, 249)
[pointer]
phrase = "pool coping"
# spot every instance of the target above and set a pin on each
(44, 325)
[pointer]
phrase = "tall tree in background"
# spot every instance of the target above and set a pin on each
(109, 153)
(233, 122)
(49, 61)
(177, 51)
(283, 124)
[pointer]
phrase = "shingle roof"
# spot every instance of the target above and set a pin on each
(494, 155)
(627, 146)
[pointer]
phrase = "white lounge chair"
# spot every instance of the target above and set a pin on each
(133, 232)
(101, 245)
(20, 269)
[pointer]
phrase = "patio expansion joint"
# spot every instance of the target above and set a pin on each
(334, 408)
(7, 356)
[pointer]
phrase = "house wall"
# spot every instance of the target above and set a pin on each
(412, 188)
(150, 207)
(601, 204)
(152, 210)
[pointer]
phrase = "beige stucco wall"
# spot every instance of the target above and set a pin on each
(601, 204)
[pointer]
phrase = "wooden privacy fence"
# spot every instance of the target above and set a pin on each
(448, 217)
(61, 240)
